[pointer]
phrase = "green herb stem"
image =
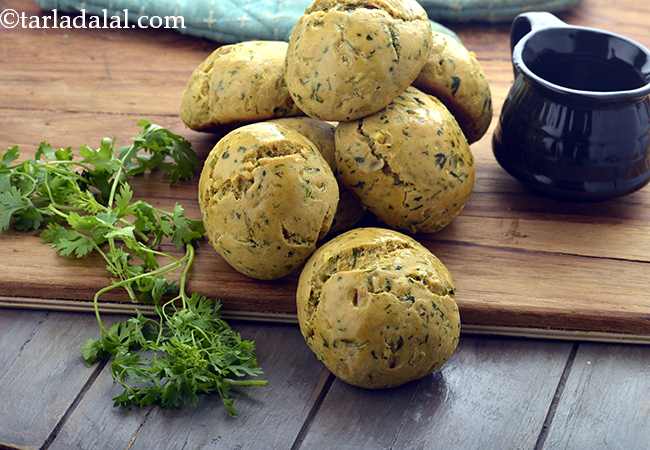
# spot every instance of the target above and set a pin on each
(85, 206)
(160, 271)
(249, 383)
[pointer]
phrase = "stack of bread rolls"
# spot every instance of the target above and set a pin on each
(364, 109)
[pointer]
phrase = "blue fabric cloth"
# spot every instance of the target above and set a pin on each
(224, 21)
(230, 21)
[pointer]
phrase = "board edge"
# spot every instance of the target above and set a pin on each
(471, 329)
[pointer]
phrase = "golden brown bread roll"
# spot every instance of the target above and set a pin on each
(377, 308)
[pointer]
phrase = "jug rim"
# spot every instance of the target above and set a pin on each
(521, 66)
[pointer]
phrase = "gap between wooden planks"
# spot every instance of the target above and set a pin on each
(128, 309)
(521, 262)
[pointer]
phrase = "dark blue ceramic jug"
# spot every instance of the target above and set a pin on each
(576, 122)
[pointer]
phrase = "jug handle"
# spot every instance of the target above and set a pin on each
(527, 23)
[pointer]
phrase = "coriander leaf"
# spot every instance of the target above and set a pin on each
(86, 223)
(67, 242)
(118, 263)
(100, 181)
(186, 161)
(11, 201)
(101, 159)
(86, 202)
(185, 230)
(5, 180)
(91, 351)
(167, 227)
(91, 226)
(197, 353)
(154, 289)
(101, 166)
(9, 156)
(28, 219)
(151, 148)
(107, 218)
(159, 289)
(123, 199)
(63, 154)
(45, 151)
(132, 333)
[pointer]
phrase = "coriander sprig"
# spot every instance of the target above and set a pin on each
(190, 350)
(86, 206)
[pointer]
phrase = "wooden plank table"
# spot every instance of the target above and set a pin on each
(495, 393)
(523, 265)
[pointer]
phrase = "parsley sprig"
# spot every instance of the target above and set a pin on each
(85, 206)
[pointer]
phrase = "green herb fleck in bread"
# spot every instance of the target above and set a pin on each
(238, 83)
(377, 308)
(267, 196)
(409, 164)
(350, 211)
(454, 75)
(349, 58)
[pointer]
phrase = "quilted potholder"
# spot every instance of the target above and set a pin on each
(231, 21)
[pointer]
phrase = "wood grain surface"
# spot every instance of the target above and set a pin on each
(269, 417)
(520, 261)
(605, 402)
(494, 393)
(40, 378)
(491, 395)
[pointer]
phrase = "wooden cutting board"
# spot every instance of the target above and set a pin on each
(523, 264)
